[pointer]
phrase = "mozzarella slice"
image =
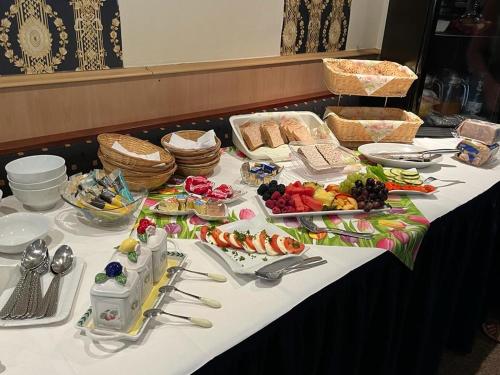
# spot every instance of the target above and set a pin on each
(281, 244)
(210, 239)
(233, 241)
(222, 240)
(258, 246)
(247, 248)
(269, 249)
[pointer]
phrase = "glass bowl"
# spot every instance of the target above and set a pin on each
(106, 217)
(254, 179)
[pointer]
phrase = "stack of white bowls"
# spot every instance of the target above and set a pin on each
(35, 180)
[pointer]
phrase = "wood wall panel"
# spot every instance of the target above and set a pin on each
(56, 107)
(41, 111)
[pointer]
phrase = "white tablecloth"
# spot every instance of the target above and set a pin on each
(248, 305)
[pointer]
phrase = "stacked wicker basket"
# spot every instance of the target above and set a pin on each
(139, 172)
(342, 79)
(193, 162)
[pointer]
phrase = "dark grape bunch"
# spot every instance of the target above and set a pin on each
(370, 196)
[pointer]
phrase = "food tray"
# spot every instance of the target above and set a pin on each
(340, 82)
(67, 293)
(154, 300)
(282, 153)
(241, 262)
(269, 213)
(350, 124)
(188, 212)
(309, 172)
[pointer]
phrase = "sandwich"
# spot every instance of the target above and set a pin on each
(271, 134)
(250, 131)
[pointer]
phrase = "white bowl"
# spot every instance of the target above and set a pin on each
(19, 229)
(34, 169)
(40, 185)
(38, 200)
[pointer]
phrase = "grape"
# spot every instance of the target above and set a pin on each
(377, 204)
(370, 182)
(361, 205)
(359, 183)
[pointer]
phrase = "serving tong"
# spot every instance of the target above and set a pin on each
(418, 156)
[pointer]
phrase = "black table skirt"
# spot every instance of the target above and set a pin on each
(383, 318)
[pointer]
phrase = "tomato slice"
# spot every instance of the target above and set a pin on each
(274, 244)
(249, 242)
(216, 234)
(262, 238)
(293, 246)
(203, 233)
(225, 235)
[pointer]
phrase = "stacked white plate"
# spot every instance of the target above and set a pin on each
(35, 180)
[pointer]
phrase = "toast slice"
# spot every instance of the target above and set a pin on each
(330, 153)
(313, 156)
(271, 134)
(250, 131)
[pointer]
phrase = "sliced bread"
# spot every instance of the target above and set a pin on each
(250, 131)
(330, 153)
(271, 133)
(295, 131)
(313, 156)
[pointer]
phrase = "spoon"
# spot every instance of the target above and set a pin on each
(61, 263)
(152, 313)
(277, 275)
(214, 276)
(308, 223)
(33, 256)
(207, 301)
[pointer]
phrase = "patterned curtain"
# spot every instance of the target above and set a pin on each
(45, 36)
(314, 26)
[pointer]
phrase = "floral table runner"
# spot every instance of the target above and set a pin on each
(399, 230)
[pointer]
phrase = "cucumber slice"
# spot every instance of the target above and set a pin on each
(396, 171)
(410, 173)
(389, 174)
(412, 178)
(414, 182)
(399, 181)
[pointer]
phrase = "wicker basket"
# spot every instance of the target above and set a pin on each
(197, 170)
(136, 145)
(196, 160)
(345, 124)
(150, 182)
(340, 82)
(142, 169)
(191, 135)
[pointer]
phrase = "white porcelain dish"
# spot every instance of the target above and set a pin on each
(374, 148)
(19, 229)
(242, 262)
(67, 292)
(281, 153)
(40, 185)
(411, 192)
(36, 168)
(86, 322)
(269, 213)
(38, 200)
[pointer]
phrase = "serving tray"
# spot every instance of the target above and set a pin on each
(154, 300)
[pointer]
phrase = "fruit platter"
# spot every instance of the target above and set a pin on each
(248, 245)
(360, 192)
(204, 188)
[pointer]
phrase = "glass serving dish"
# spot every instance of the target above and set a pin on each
(105, 217)
(342, 161)
(257, 179)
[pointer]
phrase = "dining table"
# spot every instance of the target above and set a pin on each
(365, 310)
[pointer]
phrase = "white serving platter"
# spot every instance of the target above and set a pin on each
(373, 148)
(281, 153)
(242, 262)
(269, 213)
(411, 192)
(67, 292)
(157, 211)
(86, 323)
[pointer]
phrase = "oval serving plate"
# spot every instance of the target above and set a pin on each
(156, 210)
(370, 149)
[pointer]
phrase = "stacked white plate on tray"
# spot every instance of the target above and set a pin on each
(35, 180)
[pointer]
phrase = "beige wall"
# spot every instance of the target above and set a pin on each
(367, 23)
(158, 32)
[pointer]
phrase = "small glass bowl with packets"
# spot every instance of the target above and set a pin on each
(104, 199)
(256, 174)
(185, 204)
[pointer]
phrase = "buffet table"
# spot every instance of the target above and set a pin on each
(256, 314)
